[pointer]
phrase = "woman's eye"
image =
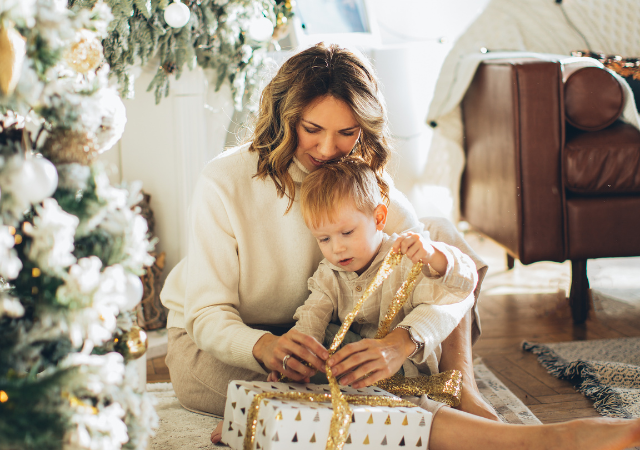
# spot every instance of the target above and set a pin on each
(349, 133)
(310, 131)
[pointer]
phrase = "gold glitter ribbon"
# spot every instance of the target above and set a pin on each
(444, 387)
(341, 412)
(399, 300)
(391, 260)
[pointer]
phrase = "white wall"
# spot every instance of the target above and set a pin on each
(416, 37)
(166, 145)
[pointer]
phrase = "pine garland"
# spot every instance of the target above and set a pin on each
(216, 37)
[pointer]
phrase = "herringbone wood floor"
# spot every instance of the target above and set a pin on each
(509, 319)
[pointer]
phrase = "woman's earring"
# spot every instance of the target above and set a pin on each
(353, 150)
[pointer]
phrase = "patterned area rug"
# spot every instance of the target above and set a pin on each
(607, 371)
(183, 430)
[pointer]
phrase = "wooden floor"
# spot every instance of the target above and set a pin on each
(509, 319)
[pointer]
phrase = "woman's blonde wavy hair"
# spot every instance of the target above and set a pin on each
(315, 72)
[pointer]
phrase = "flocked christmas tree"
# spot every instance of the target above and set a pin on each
(72, 246)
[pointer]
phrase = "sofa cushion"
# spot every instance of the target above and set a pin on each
(593, 99)
(603, 162)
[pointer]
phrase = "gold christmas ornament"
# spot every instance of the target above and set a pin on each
(13, 49)
(132, 344)
(85, 54)
(67, 146)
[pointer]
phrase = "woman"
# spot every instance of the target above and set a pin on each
(250, 254)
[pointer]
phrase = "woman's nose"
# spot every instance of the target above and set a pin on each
(326, 147)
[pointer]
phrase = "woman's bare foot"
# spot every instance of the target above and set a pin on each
(472, 402)
(216, 435)
(596, 434)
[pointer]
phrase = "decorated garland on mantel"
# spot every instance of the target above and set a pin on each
(625, 67)
(229, 36)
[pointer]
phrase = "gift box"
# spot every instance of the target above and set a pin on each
(293, 424)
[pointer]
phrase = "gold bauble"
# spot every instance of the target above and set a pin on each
(85, 54)
(13, 49)
(132, 344)
(67, 146)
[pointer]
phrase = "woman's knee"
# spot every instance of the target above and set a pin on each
(200, 380)
(197, 398)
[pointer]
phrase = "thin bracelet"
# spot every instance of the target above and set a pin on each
(418, 344)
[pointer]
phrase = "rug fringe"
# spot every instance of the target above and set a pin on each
(583, 376)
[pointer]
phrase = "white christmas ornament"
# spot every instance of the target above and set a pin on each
(135, 290)
(47, 176)
(177, 14)
(260, 29)
(29, 181)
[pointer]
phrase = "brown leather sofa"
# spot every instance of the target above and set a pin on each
(543, 189)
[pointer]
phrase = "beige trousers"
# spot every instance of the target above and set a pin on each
(200, 381)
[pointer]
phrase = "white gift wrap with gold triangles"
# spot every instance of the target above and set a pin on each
(288, 424)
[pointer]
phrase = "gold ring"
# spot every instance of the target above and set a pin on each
(284, 362)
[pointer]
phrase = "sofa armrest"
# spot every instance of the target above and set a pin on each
(511, 188)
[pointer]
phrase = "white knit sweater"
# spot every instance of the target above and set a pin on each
(248, 262)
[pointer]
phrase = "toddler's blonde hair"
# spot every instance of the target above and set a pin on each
(328, 188)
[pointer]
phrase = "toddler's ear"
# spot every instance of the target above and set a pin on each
(380, 215)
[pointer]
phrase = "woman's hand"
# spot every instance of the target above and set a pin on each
(419, 249)
(368, 361)
(271, 350)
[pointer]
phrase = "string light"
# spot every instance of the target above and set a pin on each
(3, 396)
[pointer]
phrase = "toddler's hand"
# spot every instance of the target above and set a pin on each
(414, 247)
(273, 376)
